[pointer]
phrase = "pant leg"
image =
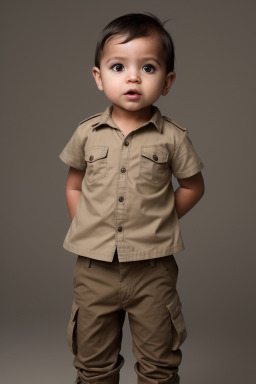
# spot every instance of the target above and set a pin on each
(156, 321)
(147, 291)
(95, 327)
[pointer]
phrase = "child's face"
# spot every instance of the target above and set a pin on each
(138, 65)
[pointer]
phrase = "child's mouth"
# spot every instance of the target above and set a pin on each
(133, 95)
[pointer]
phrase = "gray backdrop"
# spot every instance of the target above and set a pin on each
(47, 56)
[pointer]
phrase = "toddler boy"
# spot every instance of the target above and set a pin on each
(124, 212)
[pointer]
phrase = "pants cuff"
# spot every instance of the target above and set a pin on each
(142, 379)
(111, 377)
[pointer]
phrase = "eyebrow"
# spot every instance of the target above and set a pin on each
(123, 58)
(153, 59)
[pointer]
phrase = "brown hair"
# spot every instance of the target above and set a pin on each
(135, 25)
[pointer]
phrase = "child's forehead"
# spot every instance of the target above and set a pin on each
(148, 45)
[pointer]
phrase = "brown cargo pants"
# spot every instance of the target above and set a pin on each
(103, 293)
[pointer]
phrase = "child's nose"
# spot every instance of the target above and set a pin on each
(133, 77)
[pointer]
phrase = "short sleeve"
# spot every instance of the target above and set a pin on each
(185, 161)
(73, 152)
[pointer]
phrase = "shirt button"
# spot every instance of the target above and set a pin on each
(91, 157)
(121, 199)
(155, 157)
(126, 143)
(120, 229)
(123, 170)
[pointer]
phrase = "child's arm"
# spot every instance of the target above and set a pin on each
(73, 189)
(189, 193)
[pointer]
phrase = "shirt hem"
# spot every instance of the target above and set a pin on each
(67, 160)
(128, 256)
(190, 172)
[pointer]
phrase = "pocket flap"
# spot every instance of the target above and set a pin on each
(154, 154)
(74, 311)
(180, 332)
(174, 306)
(71, 331)
(95, 153)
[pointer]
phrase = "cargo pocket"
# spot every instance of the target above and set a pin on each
(153, 164)
(96, 158)
(72, 328)
(179, 332)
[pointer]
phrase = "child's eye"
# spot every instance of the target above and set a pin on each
(117, 67)
(148, 68)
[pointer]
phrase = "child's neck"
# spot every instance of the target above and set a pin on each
(131, 119)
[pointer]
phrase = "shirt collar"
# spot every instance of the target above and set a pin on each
(106, 119)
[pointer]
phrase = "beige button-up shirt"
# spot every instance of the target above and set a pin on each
(127, 199)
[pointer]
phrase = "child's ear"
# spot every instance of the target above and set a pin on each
(170, 77)
(97, 77)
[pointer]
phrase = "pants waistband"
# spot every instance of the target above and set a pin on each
(151, 261)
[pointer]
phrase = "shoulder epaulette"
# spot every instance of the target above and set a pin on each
(91, 117)
(174, 122)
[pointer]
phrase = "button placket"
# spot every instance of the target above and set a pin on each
(121, 189)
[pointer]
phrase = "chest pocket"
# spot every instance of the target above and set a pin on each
(153, 164)
(96, 158)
